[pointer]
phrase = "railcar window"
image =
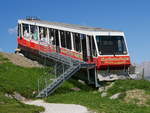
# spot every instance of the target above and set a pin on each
(56, 38)
(92, 46)
(43, 34)
(26, 31)
(82, 36)
(109, 45)
(77, 43)
(34, 32)
(63, 39)
(52, 36)
(68, 40)
(19, 30)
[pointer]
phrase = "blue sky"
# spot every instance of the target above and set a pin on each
(130, 16)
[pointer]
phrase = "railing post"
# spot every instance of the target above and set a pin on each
(143, 74)
(46, 86)
(38, 85)
(96, 81)
(55, 69)
(63, 69)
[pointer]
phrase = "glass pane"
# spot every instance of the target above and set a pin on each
(109, 45)
(34, 32)
(43, 35)
(68, 40)
(26, 30)
(63, 39)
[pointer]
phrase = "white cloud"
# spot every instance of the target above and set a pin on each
(1, 49)
(12, 30)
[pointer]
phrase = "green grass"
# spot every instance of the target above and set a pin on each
(18, 79)
(125, 85)
(25, 81)
(91, 98)
(21, 79)
(8, 105)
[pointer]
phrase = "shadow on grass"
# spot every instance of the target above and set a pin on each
(73, 83)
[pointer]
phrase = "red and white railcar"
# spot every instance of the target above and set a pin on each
(104, 47)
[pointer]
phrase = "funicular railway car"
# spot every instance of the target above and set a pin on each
(103, 47)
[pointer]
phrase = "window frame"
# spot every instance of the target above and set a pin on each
(77, 42)
(116, 54)
(28, 30)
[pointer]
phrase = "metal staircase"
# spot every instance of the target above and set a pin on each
(56, 83)
(61, 58)
(74, 66)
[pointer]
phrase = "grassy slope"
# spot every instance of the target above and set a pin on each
(125, 85)
(92, 99)
(24, 80)
(8, 105)
(19, 79)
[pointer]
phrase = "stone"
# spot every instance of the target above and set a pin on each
(104, 94)
(109, 86)
(81, 81)
(8, 95)
(34, 92)
(19, 97)
(115, 96)
(101, 89)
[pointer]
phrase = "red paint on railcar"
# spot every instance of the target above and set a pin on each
(100, 61)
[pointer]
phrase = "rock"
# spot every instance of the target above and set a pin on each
(15, 95)
(137, 96)
(34, 92)
(109, 86)
(19, 97)
(104, 94)
(8, 95)
(115, 96)
(101, 89)
(104, 89)
(82, 82)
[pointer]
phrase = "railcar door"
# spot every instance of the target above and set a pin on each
(84, 47)
(92, 49)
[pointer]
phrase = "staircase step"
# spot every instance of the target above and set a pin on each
(53, 86)
(75, 66)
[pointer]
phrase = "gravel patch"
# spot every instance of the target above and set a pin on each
(137, 96)
(58, 108)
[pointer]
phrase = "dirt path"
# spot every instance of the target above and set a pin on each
(20, 60)
(58, 108)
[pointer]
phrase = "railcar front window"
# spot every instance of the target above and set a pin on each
(111, 45)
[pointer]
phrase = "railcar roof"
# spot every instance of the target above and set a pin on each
(72, 26)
